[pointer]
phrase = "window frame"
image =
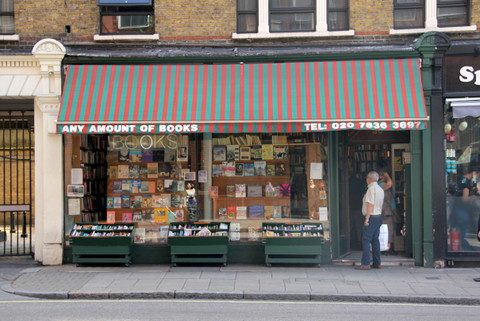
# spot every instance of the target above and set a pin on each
(9, 14)
(457, 3)
(104, 12)
(240, 12)
(403, 6)
(345, 10)
(289, 10)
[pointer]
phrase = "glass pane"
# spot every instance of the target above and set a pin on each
(247, 5)
(292, 22)
(451, 1)
(405, 2)
(408, 18)
(463, 184)
(337, 21)
(452, 16)
(247, 23)
(6, 24)
(337, 4)
(282, 4)
(134, 24)
(6, 6)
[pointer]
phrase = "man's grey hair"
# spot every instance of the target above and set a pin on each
(373, 175)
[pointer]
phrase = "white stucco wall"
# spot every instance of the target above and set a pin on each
(38, 77)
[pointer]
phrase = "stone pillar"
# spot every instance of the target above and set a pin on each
(49, 204)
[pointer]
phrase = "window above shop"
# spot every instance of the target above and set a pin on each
(7, 22)
(127, 18)
(418, 16)
(291, 18)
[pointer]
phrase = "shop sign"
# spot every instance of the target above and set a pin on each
(127, 142)
(128, 129)
(366, 125)
(462, 74)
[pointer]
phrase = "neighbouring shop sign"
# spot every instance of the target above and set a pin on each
(462, 74)
(128, 129)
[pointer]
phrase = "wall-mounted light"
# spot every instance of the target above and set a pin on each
(462, 126)
(447, 128)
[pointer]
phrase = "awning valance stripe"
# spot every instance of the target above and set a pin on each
(357, 90)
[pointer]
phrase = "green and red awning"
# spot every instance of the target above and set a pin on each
(380, 94)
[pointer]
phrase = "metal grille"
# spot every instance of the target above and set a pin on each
(16, 179)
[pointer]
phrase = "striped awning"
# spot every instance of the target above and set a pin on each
(381, 94)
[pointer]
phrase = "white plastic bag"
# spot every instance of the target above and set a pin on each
(383, 238)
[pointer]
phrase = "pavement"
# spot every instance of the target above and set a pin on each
(247, 282)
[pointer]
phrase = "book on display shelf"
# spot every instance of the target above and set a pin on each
(112, 172)
(127, 217)
(126, 201)
(158, 155)
(260, 168)
(110, 217)
(238, 169)
(280, 152)
(170, 155)
(160, 186)
(143, 171)
(147, 156)
(230, 190)
(135, 155)
(245, 153)
(222, 213)
(231, 212)
(136, 201)
(241, 212)
(268, 212)
(152, 170)
(182, 154)
(123, 171)
(240, 190)
(219, 153)
(229, 169)
(270, 170)
(254, 190)
(233, 153)
(256, 152)
(117, 202)
(110, 202)
(135, 186)
(255, 211)
(267, 152)
(248, 169)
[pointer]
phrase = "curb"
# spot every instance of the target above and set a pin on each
(239, 295)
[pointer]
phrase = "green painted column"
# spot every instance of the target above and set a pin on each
(432, 46)
(334, 192)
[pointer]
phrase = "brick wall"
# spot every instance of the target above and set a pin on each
(179, 20)
(48, 18)
(371, 17)
(186, 19)
(475, 13)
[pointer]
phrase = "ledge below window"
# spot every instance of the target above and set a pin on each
(9, 38)
(439, 29)
(155, 36)
(293, 34)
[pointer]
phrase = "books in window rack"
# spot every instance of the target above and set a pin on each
(233, 153)
(248, 169)
(240, 190)
(241, 212)
(219, 153)
(254, 190)
(260, 168)
(230, 191)
(256, 211)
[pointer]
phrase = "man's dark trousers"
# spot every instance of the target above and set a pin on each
(370, 237)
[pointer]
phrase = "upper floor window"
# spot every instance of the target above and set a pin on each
(452, 13)
(449, 15)
(292, 18)
(337, 15)
(408, 14)
(7, 24)
(247, 16)
(292, 15)
(126, 16)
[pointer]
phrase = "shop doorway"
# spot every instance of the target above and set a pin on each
(360, 153)
(16, 183)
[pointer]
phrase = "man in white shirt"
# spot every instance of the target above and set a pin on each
(372, 212)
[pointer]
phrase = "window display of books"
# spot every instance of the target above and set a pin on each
(186, 229)
(147, 185)
(292, 230)
(253, 212)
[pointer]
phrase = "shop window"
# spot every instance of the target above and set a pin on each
(337, 15)
(7, 25)
(292, 15)
(155, 180)
(462, 136)
(451, 13)
(127, 19)
(247, 16)
(409, 14)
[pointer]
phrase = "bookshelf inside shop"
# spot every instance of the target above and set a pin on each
(364, 158)
(199, 242)
(93, 149)
(252, 177)
(102, 243)
(298, 243)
